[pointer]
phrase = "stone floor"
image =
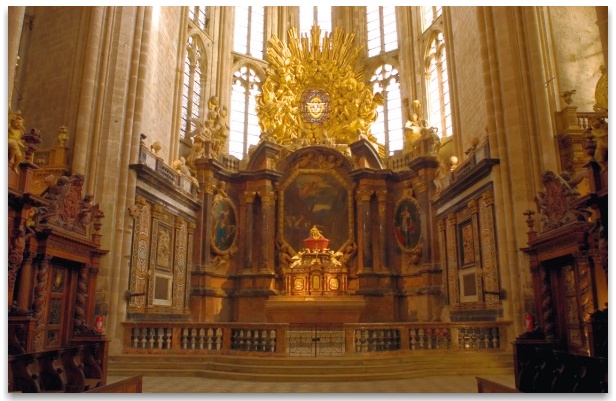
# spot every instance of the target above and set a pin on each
(433, 384)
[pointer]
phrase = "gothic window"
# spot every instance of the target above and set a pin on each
(244, 128)
(248, 34)
(437, 83)
(309, 14)
(428, 15)
(194, 75)
(382, 33)
(199, 16)
(388, 126)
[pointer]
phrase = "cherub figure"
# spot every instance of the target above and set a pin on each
(16, 146)
(85, 209)
(180, 166)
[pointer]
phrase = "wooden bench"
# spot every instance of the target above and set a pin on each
(489, 386)
(132, 384)
(64, 370)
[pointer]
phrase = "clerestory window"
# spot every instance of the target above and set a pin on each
(309, 14)
(248, 34)
(437, 80)
(388, 127)
(194, 75)
(244, 127)
(382, 32)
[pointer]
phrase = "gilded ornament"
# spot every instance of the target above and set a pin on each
(312, 94)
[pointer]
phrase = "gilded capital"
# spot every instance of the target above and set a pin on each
(363, 195)
(268, 197)
(451, 219)
(179, 222)
(248, 196)
(487, 198)
(421, 187)
(472, 206)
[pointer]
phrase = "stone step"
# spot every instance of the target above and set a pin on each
(314, 369)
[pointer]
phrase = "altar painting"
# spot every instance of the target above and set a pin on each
(315, 199)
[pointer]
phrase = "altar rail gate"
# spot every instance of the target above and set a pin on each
(315, 340)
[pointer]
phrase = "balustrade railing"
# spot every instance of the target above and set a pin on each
(166, 172)
(378, 339)
(429, 338)
(253, 339)
(271, 338)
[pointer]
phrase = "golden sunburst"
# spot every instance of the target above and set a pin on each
(312, 94)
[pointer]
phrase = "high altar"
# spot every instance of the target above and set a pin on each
(318, 169)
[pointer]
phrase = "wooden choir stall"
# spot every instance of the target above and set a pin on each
(55, 329)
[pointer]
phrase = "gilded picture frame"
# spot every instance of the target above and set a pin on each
(224, 226)
(407, 224)
(312, 197)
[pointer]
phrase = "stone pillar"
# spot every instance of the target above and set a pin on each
(203, 254)
(222, 62)
(81, 151)
(247, 206)
(179, 267)
(268, 202)
(487, 243)
(602, 21)
(382, 198)
(15, 24)
(452, 260)
(443, 258)
(125, 195)
(363, 235)
(189, 265)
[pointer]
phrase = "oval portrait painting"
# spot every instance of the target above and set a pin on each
(407, 225)
(224, 225)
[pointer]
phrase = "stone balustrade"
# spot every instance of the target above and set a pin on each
(273, 338)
